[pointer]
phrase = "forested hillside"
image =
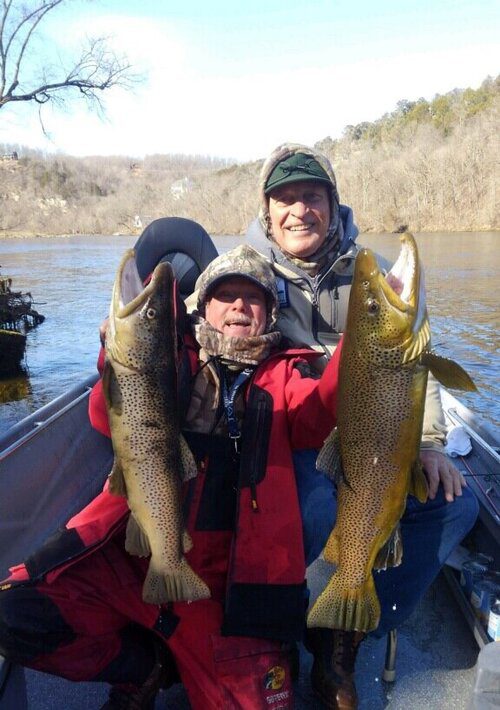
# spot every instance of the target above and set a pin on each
(428, 165)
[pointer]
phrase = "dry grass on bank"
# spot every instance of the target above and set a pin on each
(429, 166)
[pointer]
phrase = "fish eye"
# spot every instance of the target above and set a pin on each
(151, 313)
(373, 306)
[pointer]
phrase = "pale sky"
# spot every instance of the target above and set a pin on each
(235, 79)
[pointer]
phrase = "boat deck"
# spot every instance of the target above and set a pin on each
(434, 668)
(437, 646)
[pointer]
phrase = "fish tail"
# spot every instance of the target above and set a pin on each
(181, 584)
(339, 607)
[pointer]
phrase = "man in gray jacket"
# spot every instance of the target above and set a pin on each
(309, 239)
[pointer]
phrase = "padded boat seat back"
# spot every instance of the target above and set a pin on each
(182, 242)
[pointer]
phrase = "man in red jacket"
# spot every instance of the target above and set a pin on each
(75, 607)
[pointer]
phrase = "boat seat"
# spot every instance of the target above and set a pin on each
(182, 242)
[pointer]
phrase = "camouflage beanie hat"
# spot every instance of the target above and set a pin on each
(241, 262)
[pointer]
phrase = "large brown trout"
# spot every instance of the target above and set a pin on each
(151, 457)
(374, 453)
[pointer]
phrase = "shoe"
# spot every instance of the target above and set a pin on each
(292, 651)
(332, 674)
(163, 675)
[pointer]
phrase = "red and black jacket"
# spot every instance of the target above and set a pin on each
(251, 557)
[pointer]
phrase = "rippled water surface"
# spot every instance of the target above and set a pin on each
(70, 279)
(462, 273)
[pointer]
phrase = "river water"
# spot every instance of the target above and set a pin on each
(70, 279)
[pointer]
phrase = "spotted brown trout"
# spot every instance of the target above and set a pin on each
(374, 453)
(151, 457)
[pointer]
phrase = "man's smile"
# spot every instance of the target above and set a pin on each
(300, 228)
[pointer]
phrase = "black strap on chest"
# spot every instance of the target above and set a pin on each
(229, 393)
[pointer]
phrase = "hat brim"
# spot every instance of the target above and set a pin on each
(233, 275)
(297, 177)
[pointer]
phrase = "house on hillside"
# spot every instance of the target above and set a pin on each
(8, 157)
(181, 187)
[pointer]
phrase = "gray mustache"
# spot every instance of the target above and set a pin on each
(238, 320)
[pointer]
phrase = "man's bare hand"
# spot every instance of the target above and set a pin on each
(439, 469)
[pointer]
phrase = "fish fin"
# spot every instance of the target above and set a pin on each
(181, 584)
(331, 552)
(338, 607)
(418, 483)
(448, 372)
(136, 540)
(329, 460)
(390, 554)
(111, 389)
(189, 467)
(419, 343)
(187, 543)
(117, 485)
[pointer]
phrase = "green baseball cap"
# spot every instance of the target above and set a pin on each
(296, 168)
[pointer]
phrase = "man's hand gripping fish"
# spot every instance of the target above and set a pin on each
(151, 456)
(374, 453)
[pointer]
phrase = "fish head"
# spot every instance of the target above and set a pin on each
(141, 318)
(387, 317)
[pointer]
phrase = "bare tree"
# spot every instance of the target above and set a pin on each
(97, 68)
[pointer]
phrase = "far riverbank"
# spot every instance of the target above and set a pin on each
(38, 235)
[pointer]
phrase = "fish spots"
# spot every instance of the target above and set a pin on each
(151, 424)
(146, 437)
(380, 412)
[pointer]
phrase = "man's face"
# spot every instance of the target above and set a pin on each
(300, 217)
(237, 307)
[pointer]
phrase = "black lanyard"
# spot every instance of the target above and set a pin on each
(228, 398)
